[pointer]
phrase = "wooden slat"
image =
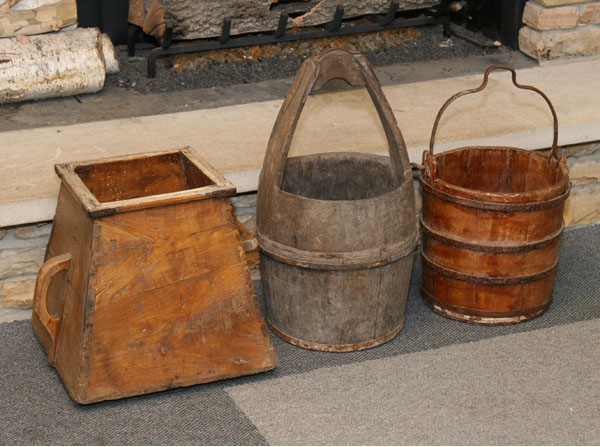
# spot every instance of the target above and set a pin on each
(134, 271)
(161, 225)
(71, 233)
(197, 330)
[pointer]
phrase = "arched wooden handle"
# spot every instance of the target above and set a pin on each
(40, 307)
(354, 68)
(554, 155)
(339, 64)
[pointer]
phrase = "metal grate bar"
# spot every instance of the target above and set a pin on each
(335, 27)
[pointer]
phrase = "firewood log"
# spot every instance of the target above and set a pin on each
(57, 64)
(46, 18)
(195, 19)
(154, 23)
(110, 56)
(137, 12)
(31, 4)
(5, 5)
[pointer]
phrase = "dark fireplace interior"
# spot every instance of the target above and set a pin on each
(494, 20)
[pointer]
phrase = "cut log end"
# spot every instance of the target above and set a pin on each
(111, 60)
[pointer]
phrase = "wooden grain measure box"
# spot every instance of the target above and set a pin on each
(145, 285)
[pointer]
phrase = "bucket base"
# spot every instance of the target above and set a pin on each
(488, 318)
(336, 347)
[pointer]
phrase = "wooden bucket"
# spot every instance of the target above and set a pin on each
(492, 219)
(336, 231)
(145, 286)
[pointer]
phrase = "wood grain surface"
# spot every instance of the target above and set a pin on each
(157, 297)
(336, 231)
(492, 219)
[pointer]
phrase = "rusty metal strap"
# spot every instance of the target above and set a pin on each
(353, 260)
(507, 281)
(495, 206)
(492, 248)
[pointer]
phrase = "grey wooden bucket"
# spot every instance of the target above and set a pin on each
(336, 231)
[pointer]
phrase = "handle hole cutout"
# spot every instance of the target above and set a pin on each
(332, 151)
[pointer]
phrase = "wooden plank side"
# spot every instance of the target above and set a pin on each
(498, 265)
(197, 330)
(537, 293)
(454, 221)
(154, 226)
(130, 272)
(494, 298)
(71, 233)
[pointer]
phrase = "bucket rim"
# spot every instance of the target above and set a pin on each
(534, 197)
(407, 178)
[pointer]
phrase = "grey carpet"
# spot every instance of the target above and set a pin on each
(533, 388)
(35, 408)
(576, 298)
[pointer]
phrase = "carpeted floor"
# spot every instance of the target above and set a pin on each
(538, 387)
(438, 382)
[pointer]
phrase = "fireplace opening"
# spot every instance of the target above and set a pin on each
(494, 20)
(243, 45)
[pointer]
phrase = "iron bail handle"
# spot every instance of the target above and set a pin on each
(486, 75)
(315, 72)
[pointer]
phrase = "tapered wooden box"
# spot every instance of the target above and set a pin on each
(145, 286)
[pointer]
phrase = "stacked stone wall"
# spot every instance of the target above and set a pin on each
(560, 29)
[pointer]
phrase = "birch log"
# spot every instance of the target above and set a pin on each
(42, 19)
(31, 4)
(50, 65)
(5, 5)
(17, 5)
(111, 62)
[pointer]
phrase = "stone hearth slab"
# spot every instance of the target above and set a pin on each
(233, 138)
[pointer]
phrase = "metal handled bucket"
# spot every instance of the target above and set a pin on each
(492, 219)
(336, 231)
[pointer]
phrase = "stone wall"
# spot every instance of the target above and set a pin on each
(583, 204)
(21, 254)
(22, 248)
(560, 29)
